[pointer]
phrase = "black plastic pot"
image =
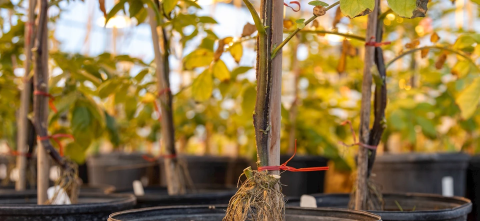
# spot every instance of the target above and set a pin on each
(119, 169)
(473, 187)
(158, 196)
(297, 184)
(92, 207)
(213, 213)
(420, 173)
(415, 206)
(211, 171)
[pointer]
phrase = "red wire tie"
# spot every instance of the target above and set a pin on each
(50, 101)
(163, 91)
(155, 104)
(55, 138)
(294, 3)
(292, 169)
(373, 43)
(17, 153)
(355, 138)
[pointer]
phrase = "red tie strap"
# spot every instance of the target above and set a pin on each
(55, 138)
(50, 101)
(355, 138)
(373, 43)
(17, 153)
(293, 3)
(291, 169)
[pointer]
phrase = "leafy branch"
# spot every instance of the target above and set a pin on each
(356, 37)
(433, 47)
(275, 51)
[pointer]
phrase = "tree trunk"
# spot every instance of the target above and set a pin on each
(22, 137)
(267, 114)
(175, 179)
(362, 167)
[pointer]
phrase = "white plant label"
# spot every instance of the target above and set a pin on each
(447, 186)
(61, 198)
(308, 201)
(138, 188)
(54, 173)
(14, 175)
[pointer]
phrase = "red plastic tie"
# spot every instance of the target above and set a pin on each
(373, 43)
(153, 159)
(55, 138)
(294, 3)
(292, 169)
(163, 91)
(17, 153)
(355, 138)
(50, 101)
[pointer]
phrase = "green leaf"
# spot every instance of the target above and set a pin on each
(139, 77)
(199, 58)
(169, 5)
(469, 98)
(428, 128)
(202, 86)
(221, 71)
(107, 88)
(236, 50)
(112, 129)
(207, 20)
(119, 6)
(403, 8)
(354, 8)
(248, 101)
(300, 23)
(134, 7)
(318, 3)
(76, 152)
(240, 70)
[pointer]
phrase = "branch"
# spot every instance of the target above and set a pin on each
(274, 52)
(356, 37)
(433, 47)
(256, 18)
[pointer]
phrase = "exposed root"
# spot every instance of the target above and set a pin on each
(69, 182)
(259, 198)
(374, 198)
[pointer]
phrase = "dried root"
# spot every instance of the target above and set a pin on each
(259, 198)
(374, 199)
(69, 182)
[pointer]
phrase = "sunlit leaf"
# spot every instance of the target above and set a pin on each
(434, 38)
(248, 101)
(354, 8)
(461, 69)
(415, 43)
(424, 52)
(199, 58)
(316, 3)
(221, 71)
(236, 50)
(202, 86)
(76, 152)
(169, 5)
(300, 23)
(409, 8)
(441, 61)
(469, 98)
(116, 8)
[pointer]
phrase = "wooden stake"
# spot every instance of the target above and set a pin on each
(40, 102)
(22, 145)
(175, 180)
(267, 114)
(362, 167)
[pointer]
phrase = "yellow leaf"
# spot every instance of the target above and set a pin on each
(228, 40)
(469, 98)
(221, 71)
(202, 86)
(237, 51)
(424, 52)
(441, 61)
(434, 38)
(461, 68)
(287, 23)
(148, 98)
(413, 44)
(199, 58)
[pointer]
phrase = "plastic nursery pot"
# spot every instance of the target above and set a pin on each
(99, 189)
(92, 207)
(438, 173)
(119, 169)
(212, 171)
(214, 213)
(473, 187)
(297, 184)
(415, 206)
(158, 196)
